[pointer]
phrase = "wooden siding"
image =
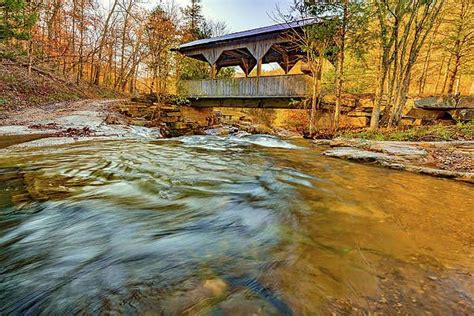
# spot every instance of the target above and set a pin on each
(252, 87)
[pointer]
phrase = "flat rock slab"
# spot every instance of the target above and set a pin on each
(399, 149)
(463, 176)
(409, 156)
(22, 130)
(405, 150)
(361, 155)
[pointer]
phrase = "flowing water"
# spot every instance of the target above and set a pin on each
(210, 225)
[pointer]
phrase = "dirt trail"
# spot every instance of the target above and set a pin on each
(85, 111)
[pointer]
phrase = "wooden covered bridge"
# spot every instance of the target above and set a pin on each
(248, 50)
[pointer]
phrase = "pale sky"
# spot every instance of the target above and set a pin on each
(240, 15)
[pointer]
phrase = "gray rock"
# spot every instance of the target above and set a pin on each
(218, 131)
(387, 147)
(466, 102)
(324, 142)
(463, 115)
(429, 114)
(361, 155)
(436, 103)
(458, 175)
(408, 151)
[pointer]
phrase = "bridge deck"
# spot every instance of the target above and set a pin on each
(287, 86)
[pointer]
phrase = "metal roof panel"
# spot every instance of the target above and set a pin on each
(248, 33)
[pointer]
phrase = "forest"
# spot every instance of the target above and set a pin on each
(392, 50)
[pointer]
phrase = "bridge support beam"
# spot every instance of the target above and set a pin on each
(268, 103)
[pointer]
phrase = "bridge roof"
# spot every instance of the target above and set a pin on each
(252, 34)
(251, 48)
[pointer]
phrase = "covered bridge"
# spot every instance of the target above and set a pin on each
(248, 50)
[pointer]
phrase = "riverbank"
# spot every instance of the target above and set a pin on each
(453, 160)
(438, 150)
(441, 151)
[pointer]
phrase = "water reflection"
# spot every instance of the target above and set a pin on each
(227, 225)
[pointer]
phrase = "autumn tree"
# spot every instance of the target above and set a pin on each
(161, 36)
(403, 27)
(316, 45)
(345, 21)
(458, 39)
(104, 38)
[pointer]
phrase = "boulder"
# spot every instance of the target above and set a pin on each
(462, 115)
(366, 103)
(436, 103)
(466, 102)
(418, 113)
(445, 102)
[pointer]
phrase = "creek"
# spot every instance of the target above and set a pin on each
(227, 225)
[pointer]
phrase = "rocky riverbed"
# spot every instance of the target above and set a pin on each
(67, 122)
(454, 160)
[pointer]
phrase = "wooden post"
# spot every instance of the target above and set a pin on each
(213, 71)
(259, 67)
(245, 64)
(287, 66)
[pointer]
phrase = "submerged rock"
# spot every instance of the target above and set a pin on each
(221, 131)
(216, 286)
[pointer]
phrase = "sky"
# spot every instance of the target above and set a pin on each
(240, 15)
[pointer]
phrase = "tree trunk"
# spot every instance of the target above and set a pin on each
(81, 45)
(122, 51)
(73, 44)
(30, 55)
(317, 75)
(395, 114)
(313, 105)
(454, 73)
(422, 83)
(446, 74)
(102, 43)
(340, 66)
(440, 71)
(375, 117)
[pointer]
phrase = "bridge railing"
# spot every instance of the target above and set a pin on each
(251, 87)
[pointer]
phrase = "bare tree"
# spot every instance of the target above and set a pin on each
(103, 40)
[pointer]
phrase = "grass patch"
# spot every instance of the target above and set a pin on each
(460, 131)
(63, 96)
